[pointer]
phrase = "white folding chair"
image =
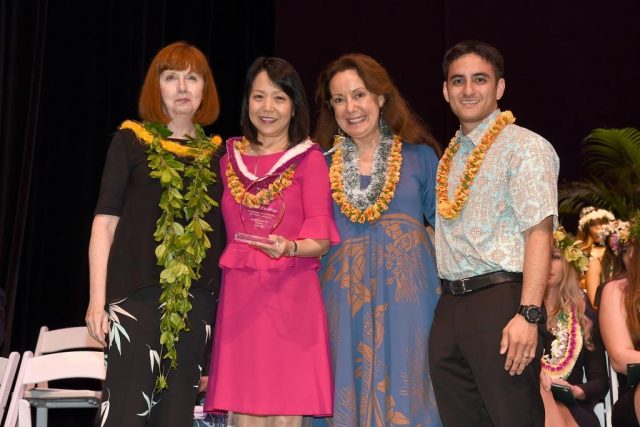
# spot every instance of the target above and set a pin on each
(24, 414)
(41, 369)
(57, 340)
(64, 339)
(8, 368)
(612, 397)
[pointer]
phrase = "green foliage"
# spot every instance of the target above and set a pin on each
(612, 163)
(182, 247)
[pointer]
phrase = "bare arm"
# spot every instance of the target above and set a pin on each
(613, 328)
(519, 337)
(592, 277)
(306, 247)
(102, 231)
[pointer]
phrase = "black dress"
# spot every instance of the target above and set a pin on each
(133, 290)
(591, 364)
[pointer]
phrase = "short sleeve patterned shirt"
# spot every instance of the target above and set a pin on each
(515, 189)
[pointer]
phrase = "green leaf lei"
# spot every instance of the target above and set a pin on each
(182, 248)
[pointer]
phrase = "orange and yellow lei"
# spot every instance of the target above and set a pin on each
(172, 147)
(450, 209)
(262, 197)
(381, 204)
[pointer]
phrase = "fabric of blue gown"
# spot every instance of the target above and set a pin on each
(381, 287)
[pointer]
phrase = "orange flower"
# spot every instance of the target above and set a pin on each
(450, 209)
(172, 147)
(262, 197)
(375, 210)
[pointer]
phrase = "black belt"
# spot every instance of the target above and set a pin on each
(475, 283)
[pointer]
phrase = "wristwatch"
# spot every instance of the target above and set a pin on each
(532, 313)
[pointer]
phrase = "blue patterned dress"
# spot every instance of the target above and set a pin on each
(380, 287)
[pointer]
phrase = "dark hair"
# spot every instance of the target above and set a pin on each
(178, 56)
(395, 109)
(283, 75)
(484, 50)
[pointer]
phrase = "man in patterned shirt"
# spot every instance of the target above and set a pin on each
(493, 247)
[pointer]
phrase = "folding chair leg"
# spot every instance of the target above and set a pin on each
(41, 417)
(24, 413)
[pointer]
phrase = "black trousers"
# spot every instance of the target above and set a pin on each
(471, 385)
(623, 413)
(129, 398)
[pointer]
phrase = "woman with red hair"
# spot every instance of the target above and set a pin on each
(152, 255)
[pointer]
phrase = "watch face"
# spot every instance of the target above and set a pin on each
(534, 314)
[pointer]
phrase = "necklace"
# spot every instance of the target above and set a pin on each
(180, 150)
(360, 205)
(181, 247)
(276, 180)
(450, 209)
(565, 348)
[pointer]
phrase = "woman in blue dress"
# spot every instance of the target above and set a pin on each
(380, 284)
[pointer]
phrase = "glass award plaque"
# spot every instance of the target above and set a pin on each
(258, 222)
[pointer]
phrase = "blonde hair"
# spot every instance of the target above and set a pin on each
(570, 295)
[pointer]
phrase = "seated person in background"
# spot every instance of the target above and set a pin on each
(589, 226)
(612, 267)
(620, 321)
(573, 348)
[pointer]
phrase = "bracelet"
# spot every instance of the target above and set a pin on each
(293, 251)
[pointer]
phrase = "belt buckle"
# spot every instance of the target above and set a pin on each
(460, 288)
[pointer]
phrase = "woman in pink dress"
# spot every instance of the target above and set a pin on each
(271, 361)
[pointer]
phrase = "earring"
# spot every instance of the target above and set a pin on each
(385, 130)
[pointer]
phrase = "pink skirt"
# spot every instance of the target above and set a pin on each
(271, 348)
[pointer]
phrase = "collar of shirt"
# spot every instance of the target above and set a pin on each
(475, 136)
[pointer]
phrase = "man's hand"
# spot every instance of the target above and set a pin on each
(519, 339)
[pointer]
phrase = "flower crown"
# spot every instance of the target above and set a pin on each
(570, 248)
(616, 234)
(591, 214)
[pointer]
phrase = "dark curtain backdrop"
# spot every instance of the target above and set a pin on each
(70, 72)
(569, 65)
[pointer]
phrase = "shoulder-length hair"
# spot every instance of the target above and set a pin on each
(282, 74)
(395, 110)
(570, 295)
(178, 56)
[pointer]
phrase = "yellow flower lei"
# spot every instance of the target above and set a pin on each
(450, 209)
(375, 210)
(172, 147)
(262, 197)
